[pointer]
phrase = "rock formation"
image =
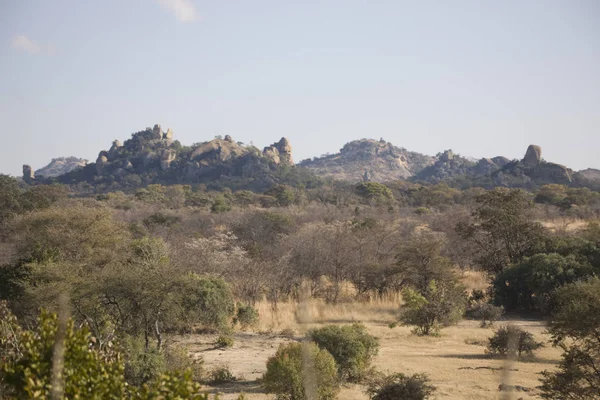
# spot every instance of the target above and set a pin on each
(280, 152)
(28, 174)
(384, 161)
(101, 162)
(113, 152)
(366, 176)
(61, 165)
(157, 132)
(168, 135)
(166, 158)
(533, 156)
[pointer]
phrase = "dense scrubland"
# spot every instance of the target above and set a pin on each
(337, 291)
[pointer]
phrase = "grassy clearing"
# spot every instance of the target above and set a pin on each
(455, 361)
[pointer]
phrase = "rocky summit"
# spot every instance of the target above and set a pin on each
(153, 155)
(61, 165)
(369, 159)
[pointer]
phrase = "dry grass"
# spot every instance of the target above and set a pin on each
(455, 361)
(474, 280)
(301, 316)
(565, 224)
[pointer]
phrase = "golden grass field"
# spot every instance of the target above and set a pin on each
(455, 361)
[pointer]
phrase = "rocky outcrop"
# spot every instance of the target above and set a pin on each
(61, 165)
(588, 178)
(217, 150)
(166, 158)
(157, 132)
(500, 161)
(384, 161)
(532, 171)
(280, 152)
(28, 174)
(366, 176)
(168, 135)
(533, 156)
(113, 153)
(448, 166)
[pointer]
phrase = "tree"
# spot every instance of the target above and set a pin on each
(420, 261)
(502, 229)
(352, 347)
(57, 360)
(30, 363)
(512, 341)
(284, 194)
(374, 192)
(301, 371)
(10, 197)
(529, 285)
(575, 327)
(441, 304)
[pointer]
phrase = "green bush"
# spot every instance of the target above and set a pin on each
(297, 367)
(220, 205)
(441, 304)
(351, 346)
(26, 361)
(528, 286)
(207, 300)
(400, 386)
(177, 358)
(141, 365)
(224, 341)
(513, 342)
(486, 312)
(221, 374)
(246, 316)
(575, 327)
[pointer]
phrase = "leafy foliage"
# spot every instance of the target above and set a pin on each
(246, 316)
(511, 341)
(208, 300)
(352, 347)
(501, 229)
(528, 286)
(486, 312)
(298, 368)
(27, 363)
(575, 327)
(401, 386)
(440, 304)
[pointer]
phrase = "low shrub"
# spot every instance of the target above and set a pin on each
(400, 386)
(485, 312)
(288, 333)
(177, 358)
(141, 365)
(224, 341)
(440, 304)
(351, 346)
(221, 374)
(513, 342)
(246, 316)
(294, 365)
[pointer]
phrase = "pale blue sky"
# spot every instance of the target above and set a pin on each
(484, 78)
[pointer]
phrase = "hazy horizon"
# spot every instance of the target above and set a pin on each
(482, 78)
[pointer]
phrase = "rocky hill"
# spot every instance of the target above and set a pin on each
(153, 156)
(369, 159)
(380, 161)
(60, 166)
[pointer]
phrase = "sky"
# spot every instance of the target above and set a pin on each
(483, 78)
